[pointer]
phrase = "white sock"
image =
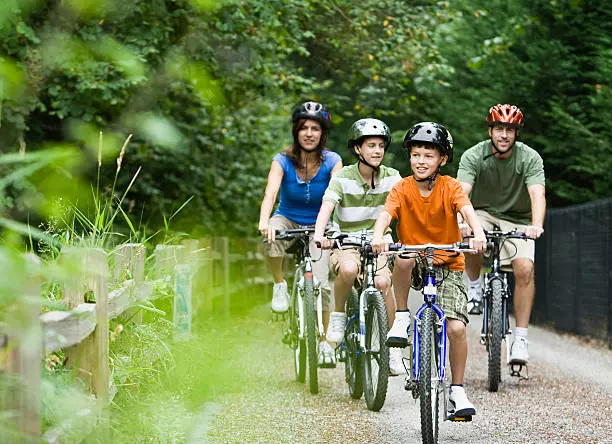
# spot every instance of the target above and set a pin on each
(475, 282)
(520, 332)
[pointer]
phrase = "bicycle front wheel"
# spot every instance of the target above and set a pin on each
(352, 366)
(429, 378)
(298, 343)
(495, 335)
(376, 356)
(311, 334)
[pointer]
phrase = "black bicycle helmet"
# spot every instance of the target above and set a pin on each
(313, 110)
(433, 133)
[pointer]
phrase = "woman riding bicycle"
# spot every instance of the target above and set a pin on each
(301, 172)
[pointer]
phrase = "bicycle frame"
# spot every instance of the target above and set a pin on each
(304, 270)
(430, 291)
(496, 273)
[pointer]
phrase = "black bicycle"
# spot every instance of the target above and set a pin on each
(305, 320)
(363, 350)
(495, 321)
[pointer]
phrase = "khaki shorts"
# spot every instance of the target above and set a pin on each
(381, 263)
(511, 248)
(320, 263)
(452, 292)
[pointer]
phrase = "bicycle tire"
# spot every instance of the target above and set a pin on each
(298, 344)
(376, 356)
(495, 335)
(429, 379)
(311, 334)
(352, 366)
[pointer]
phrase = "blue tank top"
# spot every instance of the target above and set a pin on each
(300, 201)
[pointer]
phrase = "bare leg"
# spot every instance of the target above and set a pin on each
(524, 290)
(458, 349)
(276, 267)
(383, 284)
(344, 282)
(473, 265)
(325, 315)
(402, 277)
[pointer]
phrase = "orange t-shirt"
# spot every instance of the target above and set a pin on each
(431, 219)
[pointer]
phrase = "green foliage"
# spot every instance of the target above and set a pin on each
(207, 87)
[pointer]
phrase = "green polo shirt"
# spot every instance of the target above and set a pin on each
(499, 186)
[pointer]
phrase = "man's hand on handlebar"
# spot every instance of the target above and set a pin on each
(533, 231)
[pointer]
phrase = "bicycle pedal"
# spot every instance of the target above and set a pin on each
(516, 369)
(287, 338)
(453, 418)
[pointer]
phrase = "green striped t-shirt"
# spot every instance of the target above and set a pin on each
(357, 204)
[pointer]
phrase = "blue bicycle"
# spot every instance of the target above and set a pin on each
(428, 357)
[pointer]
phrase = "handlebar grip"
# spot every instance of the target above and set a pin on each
(463, 245)
(395, 247)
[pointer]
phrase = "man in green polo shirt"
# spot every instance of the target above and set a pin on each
(355, 195)
(505, 181)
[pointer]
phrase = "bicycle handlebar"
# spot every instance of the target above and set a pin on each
(456, 247)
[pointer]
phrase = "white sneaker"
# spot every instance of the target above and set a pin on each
(518, 351)
(396, 362)
(474, 296)
(460, 404)
(327, 355)
(335, 330)
(398, 335)
(280, 298)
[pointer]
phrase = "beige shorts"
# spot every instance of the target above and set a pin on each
(320, 263)
(381, 263)
(512, 248)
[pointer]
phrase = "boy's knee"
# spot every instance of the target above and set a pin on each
(382, 283)
(455, 329)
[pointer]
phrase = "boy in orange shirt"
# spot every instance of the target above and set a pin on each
(426, 206)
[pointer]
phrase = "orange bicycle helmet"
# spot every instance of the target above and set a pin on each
(510, 115)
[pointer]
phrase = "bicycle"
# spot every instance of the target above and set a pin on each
(495, 320)
(427, 361)
(363, 349)
(305, 324)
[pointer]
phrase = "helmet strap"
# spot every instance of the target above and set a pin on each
(496, 151)
(431, 179)
(375, 170)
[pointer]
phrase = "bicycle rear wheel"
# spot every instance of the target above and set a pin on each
(311, 334)
(298, 343)
(495, 335)
(429, 379)
(352, 367)
(376, 357)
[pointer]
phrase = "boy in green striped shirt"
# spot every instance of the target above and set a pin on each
(356, 195)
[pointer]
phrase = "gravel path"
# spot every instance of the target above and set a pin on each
(568, 398)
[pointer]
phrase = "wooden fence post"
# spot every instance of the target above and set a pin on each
(166, 258)
(90, 357)
(25, 332)
(130, 264)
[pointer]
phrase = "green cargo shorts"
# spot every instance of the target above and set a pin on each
(452, 292)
